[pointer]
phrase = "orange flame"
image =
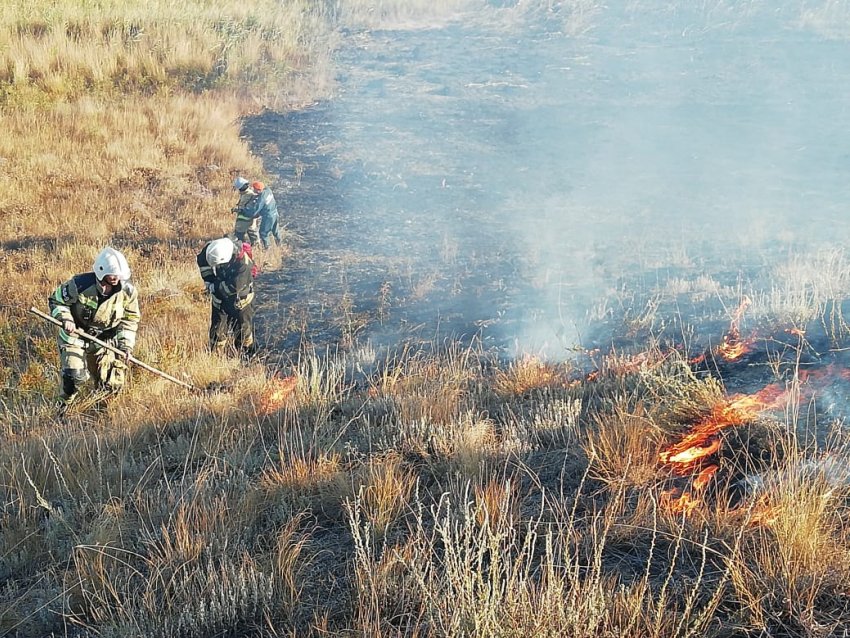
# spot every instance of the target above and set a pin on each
(279, 391)
(764, 515)
(740, 313)
(704, 477)
(701, 441)
(677, 503)
(696, 360)
(732, 347)
(738, 409)
(694, 452)
(691, 454)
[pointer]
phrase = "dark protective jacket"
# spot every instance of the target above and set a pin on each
(233, 282)
(114, 316)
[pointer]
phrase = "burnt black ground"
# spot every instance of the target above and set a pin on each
(505, 179)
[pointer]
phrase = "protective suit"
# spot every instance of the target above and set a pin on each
(265, 207)
(228, 272)
(109, 312)
(247, 225)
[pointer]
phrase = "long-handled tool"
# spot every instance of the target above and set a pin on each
(118, 351)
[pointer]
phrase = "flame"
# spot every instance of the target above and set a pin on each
(690, 454)
(740, 313)
(279, 390)
(732, 347)
(822, 377)
(677, 503)
(704, 477)
(701, 440)
(764, 514)
(694, 449)
(696, 360)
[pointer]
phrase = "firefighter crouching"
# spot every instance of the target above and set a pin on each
(104, 304)
(228, 272)
(247, 225)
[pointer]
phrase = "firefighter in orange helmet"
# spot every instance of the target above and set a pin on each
(266, 209)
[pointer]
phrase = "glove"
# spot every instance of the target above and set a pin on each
(69, 326)
(210, 287)
(116, 375)
(125, 356)
(234, 210)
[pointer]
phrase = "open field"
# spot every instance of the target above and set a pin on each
(681, 471)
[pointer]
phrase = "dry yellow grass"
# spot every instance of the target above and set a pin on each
(456, 497)
(63, 50)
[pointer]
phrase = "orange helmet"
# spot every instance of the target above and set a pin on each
(258, 186)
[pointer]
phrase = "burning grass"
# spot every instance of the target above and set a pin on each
(335, 505)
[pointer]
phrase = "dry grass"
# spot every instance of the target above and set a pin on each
(624, 445)
(474, 567)
(451, 495)
(62, 51)
(202, 519)
(382, 495)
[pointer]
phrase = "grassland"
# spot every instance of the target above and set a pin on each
(446, 494)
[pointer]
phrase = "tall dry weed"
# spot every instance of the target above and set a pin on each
(793, 566)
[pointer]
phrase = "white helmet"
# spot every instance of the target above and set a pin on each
(239, 183)
(111, 262)
(220, 251)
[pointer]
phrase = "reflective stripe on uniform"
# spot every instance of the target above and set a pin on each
(70, 339)
(126, 336)
(88, 301)
(242, 303)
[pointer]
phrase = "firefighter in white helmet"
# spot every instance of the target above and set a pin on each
(228, 271)
(104, 304)
(247, 224)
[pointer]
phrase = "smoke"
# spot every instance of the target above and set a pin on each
(511, 174)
